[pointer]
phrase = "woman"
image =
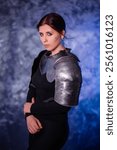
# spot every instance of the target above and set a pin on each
(54, 87)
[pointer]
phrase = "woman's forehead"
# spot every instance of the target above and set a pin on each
(45, 27)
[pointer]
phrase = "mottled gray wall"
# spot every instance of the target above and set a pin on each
(19, 44)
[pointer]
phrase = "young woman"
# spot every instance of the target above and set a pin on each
(54, 87)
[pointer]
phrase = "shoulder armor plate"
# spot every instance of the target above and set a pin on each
(67, 81)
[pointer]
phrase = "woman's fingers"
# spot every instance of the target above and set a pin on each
(38, 123)
(33, 124)
(33, 130)
(33, 99)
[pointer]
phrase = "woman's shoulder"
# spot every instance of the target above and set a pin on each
(41, 53)
(37, 60)
(68, 58)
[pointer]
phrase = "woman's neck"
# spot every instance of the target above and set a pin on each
(57, 50)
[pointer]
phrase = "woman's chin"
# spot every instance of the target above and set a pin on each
(48, 49)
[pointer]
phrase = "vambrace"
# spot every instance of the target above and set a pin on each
(68, 81)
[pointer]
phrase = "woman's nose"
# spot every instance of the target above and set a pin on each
(45, 39)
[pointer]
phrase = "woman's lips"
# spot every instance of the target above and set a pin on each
(46, 45)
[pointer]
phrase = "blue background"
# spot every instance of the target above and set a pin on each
(19, 45)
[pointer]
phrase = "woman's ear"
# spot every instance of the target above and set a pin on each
(62, 34)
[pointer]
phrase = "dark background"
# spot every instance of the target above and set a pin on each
(19, 45)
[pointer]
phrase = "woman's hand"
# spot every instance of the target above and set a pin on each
(33, 124)
(28, 105)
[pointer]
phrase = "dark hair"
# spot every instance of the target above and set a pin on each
(54, 20)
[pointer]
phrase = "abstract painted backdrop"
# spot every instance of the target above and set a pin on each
(19, 45)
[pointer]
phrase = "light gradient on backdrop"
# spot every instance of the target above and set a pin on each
(19, 44)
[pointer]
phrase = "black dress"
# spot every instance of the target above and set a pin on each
(52, 115)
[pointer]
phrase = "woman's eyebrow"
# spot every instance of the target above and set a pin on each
(40, 32)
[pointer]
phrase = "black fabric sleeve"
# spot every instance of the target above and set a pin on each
(52, 107)
(35, 65)
(31, 93)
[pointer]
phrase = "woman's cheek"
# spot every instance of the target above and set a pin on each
(57, 37)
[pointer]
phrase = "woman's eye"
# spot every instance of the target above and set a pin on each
(49, 34)
(41, 34)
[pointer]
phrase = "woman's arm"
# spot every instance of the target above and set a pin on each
(43, 108)
(32, 89)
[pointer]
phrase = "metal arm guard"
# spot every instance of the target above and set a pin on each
(68, 81)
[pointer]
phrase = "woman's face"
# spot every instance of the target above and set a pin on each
(50, 38)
